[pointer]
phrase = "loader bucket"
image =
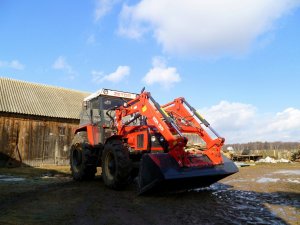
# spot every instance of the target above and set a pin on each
(160, 172)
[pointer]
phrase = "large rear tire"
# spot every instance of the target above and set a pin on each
(116, 165)
(82, 162)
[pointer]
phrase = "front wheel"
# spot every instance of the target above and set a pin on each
(81, 159)
(116, 165)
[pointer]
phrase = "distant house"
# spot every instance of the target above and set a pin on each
(37, 122)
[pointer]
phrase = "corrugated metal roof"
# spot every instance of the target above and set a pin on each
(39, 99)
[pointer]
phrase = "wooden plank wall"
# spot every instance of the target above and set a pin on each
(39, 140)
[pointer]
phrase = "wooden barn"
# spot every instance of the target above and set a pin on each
(37, 122)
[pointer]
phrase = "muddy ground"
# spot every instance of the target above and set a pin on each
(260, 194)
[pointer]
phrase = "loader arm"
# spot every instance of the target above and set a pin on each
(145, 105)
(188, 120)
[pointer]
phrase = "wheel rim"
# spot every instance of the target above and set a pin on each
(110, 166)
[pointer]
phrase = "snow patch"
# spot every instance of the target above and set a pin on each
(271, 160)
(288, 172)
(293, 181)
(267, 180)
(5, 178)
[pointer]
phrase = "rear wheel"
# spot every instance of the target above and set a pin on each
(116, 165)
(82, 162)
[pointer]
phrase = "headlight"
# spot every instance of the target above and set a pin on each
(161, 139)
(153, 138)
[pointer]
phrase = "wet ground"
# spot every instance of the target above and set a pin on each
(261, 194)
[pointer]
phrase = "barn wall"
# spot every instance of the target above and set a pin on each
(35, 140)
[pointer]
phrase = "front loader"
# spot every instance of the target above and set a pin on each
(131, 137)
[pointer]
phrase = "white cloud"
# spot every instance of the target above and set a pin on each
(14, 64)
(115, 77)
(161, 74)
(231, 115)
(289, 119)
(91, 39)
(239, 122)
(61, 64)
(103, 7)
(205, 28)
(129, 26)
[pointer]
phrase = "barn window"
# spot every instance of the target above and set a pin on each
(61, 131)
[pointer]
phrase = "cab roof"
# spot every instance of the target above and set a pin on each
(109, 92)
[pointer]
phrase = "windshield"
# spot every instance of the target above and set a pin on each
(111, 102)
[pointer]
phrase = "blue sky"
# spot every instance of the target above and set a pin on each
(237, 62)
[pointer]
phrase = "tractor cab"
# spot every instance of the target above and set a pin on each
(98, 112)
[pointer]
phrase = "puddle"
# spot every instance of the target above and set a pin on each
(248, 207)
(243, 164)
(213, 187)
(6, 178)
(260, 180)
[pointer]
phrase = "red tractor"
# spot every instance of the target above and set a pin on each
(132, 137)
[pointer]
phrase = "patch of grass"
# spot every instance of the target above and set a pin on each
(31, 172)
